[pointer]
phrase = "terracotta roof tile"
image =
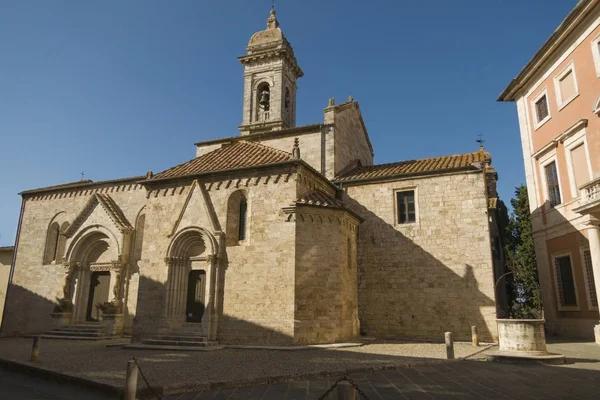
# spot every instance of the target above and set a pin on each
(424, 165)
(230, 156)
(320, 199)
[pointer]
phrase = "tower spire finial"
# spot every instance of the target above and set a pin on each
(272, 22)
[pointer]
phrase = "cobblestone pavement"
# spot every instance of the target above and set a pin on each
(461, 380)
(94, 361)
(22, 387)
(472, 379)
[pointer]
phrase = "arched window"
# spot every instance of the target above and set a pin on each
(263, 101)
(349, 254)
(52, 238)
(237, 218)
(243, 216)
(287, 100)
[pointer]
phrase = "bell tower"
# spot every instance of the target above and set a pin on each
(270, 74)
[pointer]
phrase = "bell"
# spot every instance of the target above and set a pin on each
(264, 99)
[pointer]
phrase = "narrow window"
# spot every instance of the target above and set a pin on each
(541, 108)
(566, 285)
(568, 90)
(552, 184)
(52, 243)
(243, 212)
(581, 174)
(406, 207)
(349, 255)
(589, 273)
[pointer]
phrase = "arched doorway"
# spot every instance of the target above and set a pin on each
(191, 280)
(94, 275)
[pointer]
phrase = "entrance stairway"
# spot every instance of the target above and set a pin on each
(86, 331)
(187, 338)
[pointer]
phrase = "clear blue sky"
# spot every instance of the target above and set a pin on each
(117, 88)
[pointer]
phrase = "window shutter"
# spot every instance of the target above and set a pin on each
(567, 87)
(580, 167)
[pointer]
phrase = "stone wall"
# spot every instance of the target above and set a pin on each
(255, 290)
(420, 280)
(36, 288)
(5, 263)
(326, 277)
(349, 138)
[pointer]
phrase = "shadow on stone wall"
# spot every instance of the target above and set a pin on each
(406, 292)
(150, 316)
(26, 312)
(575, 324)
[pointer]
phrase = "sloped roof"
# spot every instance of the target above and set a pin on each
(240, 154)
(415, 167)
(319, 198)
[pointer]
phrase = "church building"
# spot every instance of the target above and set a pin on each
(282, 234)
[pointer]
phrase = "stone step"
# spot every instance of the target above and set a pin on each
(62, 337)
(74, 333)
(75, 329)
(141, 346)
(184, 338)
(160, 342)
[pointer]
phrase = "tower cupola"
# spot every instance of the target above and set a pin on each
(270, 75)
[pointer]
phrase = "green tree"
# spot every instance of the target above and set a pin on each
(519, 253)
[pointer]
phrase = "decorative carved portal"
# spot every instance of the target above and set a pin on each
(93, 275)
(192, 269)
(98, 294)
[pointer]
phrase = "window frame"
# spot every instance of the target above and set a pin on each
(571, 143)
(397, 211)
(560, 102)
(543, 163)
(537, 124)
(556, 286)
(596, 54)
(591, 307)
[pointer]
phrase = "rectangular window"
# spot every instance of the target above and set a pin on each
(567, 87)
(564, 278)
(552, 184)
(589, 274)
(406, 207)
(581, 173)
(541, 108)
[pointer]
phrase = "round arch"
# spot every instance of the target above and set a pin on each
(78, 247)
(189, 238)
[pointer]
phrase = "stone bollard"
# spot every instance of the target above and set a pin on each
(345, 391)
(474, 336)
(131, 380)
(449, 345)
(35, 349)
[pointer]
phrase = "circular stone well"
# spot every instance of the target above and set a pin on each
(522, 335)
(523, 340)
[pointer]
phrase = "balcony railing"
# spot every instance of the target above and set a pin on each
(590, 194)
(264, 116)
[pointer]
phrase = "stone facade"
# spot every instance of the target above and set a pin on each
(432, 276)
(283, 235)
(6, 256)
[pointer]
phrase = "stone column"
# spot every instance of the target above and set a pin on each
(594, 240)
